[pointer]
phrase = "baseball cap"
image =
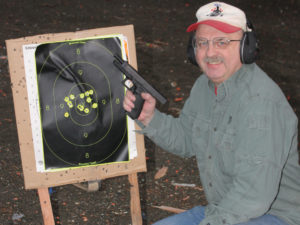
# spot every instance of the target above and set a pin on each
(221, 16)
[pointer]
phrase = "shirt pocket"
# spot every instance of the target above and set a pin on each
(225, 153)
(200, 138)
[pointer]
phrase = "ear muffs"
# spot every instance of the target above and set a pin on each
(248, 47)
(190, 50)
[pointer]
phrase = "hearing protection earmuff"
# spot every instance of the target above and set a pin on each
(248, 46)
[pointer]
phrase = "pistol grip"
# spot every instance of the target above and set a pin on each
(138, 106)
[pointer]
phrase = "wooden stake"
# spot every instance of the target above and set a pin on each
(46, 206)
(135, 204)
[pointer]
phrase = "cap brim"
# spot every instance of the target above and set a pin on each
(224, 27)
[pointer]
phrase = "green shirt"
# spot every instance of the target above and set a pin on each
(245, 142)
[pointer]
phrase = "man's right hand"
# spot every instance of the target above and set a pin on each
(148, 108)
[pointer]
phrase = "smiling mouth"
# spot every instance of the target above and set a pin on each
(214, 63)
(214, 60)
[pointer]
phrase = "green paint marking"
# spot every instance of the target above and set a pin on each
(104, 102)
(80, 72)
(62, 106)
(95, 105)
(87, 155)
(88, 100)
(78, 51)
(66, 114)
(66, 99)
(72, 97)
(85, 134)
(80, 107)
(70, 104)
(47, 107)
(117, 101)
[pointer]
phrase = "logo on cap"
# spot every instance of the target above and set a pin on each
(217, 11)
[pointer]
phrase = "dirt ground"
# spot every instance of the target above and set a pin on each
(161, 52)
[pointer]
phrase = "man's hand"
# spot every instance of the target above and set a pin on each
(148, 109)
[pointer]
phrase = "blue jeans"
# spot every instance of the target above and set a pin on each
(195, 215)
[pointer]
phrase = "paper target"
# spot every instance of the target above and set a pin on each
(80, 99)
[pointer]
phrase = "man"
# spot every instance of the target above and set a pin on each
(239, 126)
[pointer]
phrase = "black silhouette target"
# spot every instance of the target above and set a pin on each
(80, 97)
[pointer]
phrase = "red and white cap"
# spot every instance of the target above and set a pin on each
(221, 16)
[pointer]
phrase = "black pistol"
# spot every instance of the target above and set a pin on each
(135, 83)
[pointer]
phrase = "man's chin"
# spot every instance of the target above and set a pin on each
(215, 78)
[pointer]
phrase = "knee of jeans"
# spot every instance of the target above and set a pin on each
(190, 217)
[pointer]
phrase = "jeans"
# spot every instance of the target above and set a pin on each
(195, 215)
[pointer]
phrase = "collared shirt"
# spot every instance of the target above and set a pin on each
(245, 142)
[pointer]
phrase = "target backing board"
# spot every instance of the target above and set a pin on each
(68, 104)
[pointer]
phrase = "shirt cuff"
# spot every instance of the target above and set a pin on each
(151, 128)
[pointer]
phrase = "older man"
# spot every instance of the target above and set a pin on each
(239, 126)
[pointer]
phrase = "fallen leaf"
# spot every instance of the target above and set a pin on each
(3, 93)
(161, 172)
(178, 99)
(186, 198)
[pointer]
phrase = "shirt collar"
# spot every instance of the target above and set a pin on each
(230, 86)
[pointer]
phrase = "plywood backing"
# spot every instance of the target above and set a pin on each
(32, 178)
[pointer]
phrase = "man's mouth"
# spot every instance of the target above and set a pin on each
(213, 60)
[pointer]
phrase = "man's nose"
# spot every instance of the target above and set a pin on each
(210, 49)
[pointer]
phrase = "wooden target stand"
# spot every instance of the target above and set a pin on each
(135, 204)
(43, 180)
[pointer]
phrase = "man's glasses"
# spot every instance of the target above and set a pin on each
(218, 42)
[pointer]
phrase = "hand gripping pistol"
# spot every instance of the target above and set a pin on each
(135, 83)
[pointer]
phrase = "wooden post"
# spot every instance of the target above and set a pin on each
(135, 204)
(46, 206)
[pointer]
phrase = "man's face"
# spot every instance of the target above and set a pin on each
(218, 63)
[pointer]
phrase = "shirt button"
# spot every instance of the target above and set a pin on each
(209, 157)
(210, 184)
(215, 129)
(224, 221)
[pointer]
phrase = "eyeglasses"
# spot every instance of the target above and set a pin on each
(218, 42)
